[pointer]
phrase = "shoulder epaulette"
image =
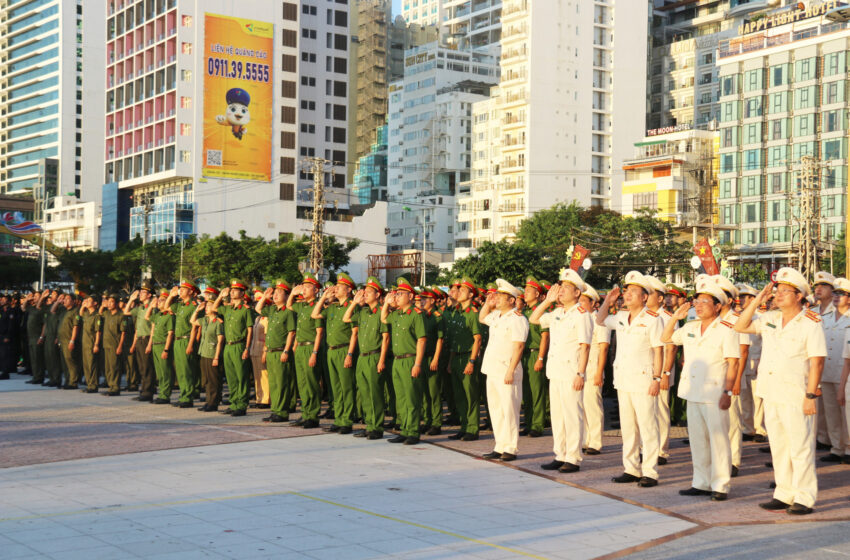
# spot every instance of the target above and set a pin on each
(736, 313)
(438, 314)
(813, 316)
(518, 312)
(582, 309)
(726, 324)
(417, 310)
(651, 313)
(667, 312)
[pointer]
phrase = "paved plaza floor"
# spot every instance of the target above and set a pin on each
(90, 477)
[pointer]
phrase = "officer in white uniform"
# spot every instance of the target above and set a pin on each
(594, 414)
(502, 367)
(637, 376)
(835, 321)
(708, 374)
(655, 303)
(752, 408)
(793, 353)
(570, 334)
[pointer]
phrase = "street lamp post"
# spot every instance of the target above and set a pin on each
(44, 203)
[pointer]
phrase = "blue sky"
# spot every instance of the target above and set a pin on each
(396, 7)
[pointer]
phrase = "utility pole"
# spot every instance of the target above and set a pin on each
(316, 166)
(809, 216)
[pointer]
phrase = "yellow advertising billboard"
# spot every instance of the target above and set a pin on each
(238, 98)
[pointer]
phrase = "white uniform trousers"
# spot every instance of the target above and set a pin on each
(637, 420)
(708, 430)
(823, 433)
(594, 416)
(834, 416)
(662, 402)
(567, 420)
(748, 406)
(792, 448)
(758, 408)
(847, 420)
(735, 433)
(504, 402)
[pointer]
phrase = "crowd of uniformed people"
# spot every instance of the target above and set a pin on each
(732, 362)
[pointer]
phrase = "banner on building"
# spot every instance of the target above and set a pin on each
(705, 254)
(238, 98)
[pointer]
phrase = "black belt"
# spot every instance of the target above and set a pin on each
(280, 349)
(402, 356)
(369, 353)
(182, 337)
(531, 349)
(304, 343)
(143, 336)
(338, 346)
(240, 341)
(157, 344)
(462, 353)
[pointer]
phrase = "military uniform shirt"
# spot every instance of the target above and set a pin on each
(337, 331)
(70, 319)
(433, 330)
(182, 315)
(703, 377)
(506, 329)
(407, 327)
(210, 331)
(634, 364)
(281, 322)
(35, 320)
(601, 335)
(305, 330)
(568, 329)
(113, 326)
(163, 323)
(236, 322)
(535, 332)
(834, 324)
(51, 326)
(370, 329)
(92, 323)
(463, 326)
(142, 325)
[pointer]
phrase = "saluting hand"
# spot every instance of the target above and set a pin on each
(359, 297)
(765, 293)
(268, 293)
(553, 294)
(492, 299)
(682, 311)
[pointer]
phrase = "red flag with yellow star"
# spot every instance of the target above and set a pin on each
(577, 257)
(706, 257)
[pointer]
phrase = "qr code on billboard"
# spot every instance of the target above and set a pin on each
(214, 158)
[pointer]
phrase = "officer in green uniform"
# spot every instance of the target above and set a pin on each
(465, 347)
(238, 329)
(70, 325)
(308, 338)
(210, 346)
(432, 412)
(277, 352)
(136, 309)
(407, 331)
(114, 335)
(160, 346)
(327, 389)
(35, 334)
(534, 382)
(128, 360)
(341, 345)
(186, 364)
(52, 353)
(373, 340)
(91, 327)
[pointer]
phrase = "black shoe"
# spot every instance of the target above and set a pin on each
(203, 408)
(434, 431)
(625, 477)
(299, 422)
(591, 451)
(345, 430)
(765, 449)
(507, 457)
(103, 385)
(799, 509)
(50, 384)
(647, 482)
(759, 438)
(113, 393)
(748, 437)
(388, 425)
(831, 458)
(734, 471)
(374, 435)
(458, 435)
(132, 388)
(569, 468)
(310, 424)
(535, 433)
(239, 413)
(274, 418)
(91, 391)
(69, 387)
(175, 404)
(469, 437)
(187, 404)
(411, 440)
(774, 505)
(772, 486)
(263, 406)
(524, 432)
(718, 496)
(397, 439)
(211, 408)
(662, 460)
(332, 429)
(846, 460)
(694, 492)
(822, 446)
(492, 455)
(143, 398)
(552, 466)
(769, 464)
(686, 441)
(5, 376)
(328, 415)
(360, 434)
(227, 411)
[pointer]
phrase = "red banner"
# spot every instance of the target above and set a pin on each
(706, 257)
(579, 253)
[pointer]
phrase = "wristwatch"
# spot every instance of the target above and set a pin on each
(580, 374)
(472, 361)
(811, 396)
(728, 393)
(656, 379)
(667, 373)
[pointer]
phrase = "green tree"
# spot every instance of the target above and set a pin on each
(21, 272)
(511, 261)
(89, 270)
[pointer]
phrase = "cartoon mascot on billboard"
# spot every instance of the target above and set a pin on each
(237, 115)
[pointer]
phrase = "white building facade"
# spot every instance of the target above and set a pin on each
(73, 225)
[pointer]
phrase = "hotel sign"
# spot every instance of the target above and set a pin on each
(789, 16)
(668, 129)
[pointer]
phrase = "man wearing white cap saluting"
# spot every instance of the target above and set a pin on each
(835, 321)
(711, 365)
(752, 407)
(655, 303)
(794, 348)
(637, 376)
(570, 334)
(503, 368)
(594, 415)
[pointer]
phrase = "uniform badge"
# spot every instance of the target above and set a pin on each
(771, 325)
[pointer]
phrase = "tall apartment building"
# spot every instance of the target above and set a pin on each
(783, 96)
(464, 24)
(571, 95)
(48, 46)
(429, 142)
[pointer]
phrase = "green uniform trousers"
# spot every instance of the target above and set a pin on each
(408, 396)
(342, 386)
(164, 368)
(112, 368)
(130, 369)
(90, 369)
(71, 359)
(184, 367)
(323, 368)
(280, 382)
(370, 389)
(432, 402)
(308, 383)
(467, 394)
(36, 360)
(236, 373)
(534, 385)
(53, 362)
(389, 391)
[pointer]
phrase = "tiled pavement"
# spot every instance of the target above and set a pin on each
(337, 497)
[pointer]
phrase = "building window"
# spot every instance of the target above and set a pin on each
(186, 75)
(185, 129)
(186, 48)
(287, 191)
(185, 156)
(185, 102)
(186, 21)
(290, 11)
